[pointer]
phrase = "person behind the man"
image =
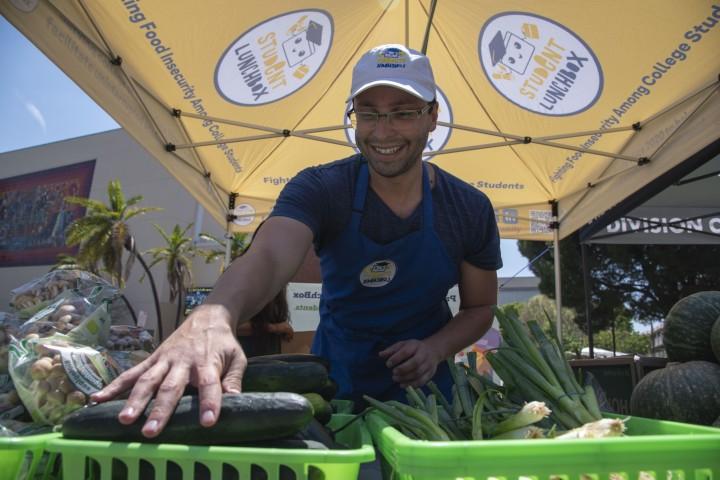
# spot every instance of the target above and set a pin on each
(393, 234)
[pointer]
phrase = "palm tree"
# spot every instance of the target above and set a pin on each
(102, 234)
(239, 241)
(177, 254)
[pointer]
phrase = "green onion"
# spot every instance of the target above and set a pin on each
(530, 413)
(522, 433)
(605, 427)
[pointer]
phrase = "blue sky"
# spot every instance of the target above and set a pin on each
(42, 105)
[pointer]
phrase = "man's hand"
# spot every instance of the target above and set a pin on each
(201, 352)
(413, 362)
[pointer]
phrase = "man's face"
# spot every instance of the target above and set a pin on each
(392, 149)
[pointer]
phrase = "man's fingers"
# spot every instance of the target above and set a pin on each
(232, 381)
(209, 395)
(142, 392)
(389, 351)
(415, 378)
(166, 399)
(125, 381)
(398, 354)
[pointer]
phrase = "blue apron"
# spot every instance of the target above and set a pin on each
(375, 295)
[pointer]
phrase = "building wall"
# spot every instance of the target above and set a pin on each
(517, 289)
(117, 157)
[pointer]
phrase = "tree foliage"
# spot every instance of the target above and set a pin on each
(641, 282)
(239, 242)
(542, 309)
(177, 254)
(104, 231)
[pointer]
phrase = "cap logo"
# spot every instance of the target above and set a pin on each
(391, 58)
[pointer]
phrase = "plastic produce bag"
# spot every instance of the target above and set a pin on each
(83, 317)
(38, 293)
(55, 376)
(129, 345)
(129, 338)
(9, 325)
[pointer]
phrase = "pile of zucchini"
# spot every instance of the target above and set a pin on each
(284, 397)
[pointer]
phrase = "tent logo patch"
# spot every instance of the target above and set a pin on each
(275, 58)
(26, 6)
(244, 214)
(378, 273)
(437, 139)
(539, 65)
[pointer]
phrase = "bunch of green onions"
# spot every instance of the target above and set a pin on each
(478, 410)
(533, 366)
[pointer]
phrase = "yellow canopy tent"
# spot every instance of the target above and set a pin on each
(556, 110)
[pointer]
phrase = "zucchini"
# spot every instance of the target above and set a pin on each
(276, 376)
(322, 411)
(329, 390)
(290, 358)
(243, 417)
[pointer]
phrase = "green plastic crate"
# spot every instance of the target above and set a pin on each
(134, 461)
(655, 450)
(25, 457)
(342, 406)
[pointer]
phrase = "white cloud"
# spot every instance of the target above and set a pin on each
(36, 114)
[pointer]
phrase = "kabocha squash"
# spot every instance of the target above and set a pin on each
(683, 392)
(243, 417)
(686, 333)
(715, 339)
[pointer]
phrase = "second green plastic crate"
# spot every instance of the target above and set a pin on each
(654, 450)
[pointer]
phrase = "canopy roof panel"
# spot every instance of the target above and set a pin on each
(576, 104)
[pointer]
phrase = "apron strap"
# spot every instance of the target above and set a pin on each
(361, 188)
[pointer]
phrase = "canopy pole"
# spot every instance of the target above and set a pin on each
(228, 236)
(426, 38)
(555, 225)
(586, 284)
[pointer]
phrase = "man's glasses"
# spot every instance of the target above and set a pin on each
(396, 119)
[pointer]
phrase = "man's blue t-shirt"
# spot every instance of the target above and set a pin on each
(321, 198)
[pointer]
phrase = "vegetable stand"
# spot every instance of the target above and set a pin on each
(132, 461)
(654, 449)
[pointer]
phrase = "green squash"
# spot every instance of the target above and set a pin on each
(686, 332)
(683, 392)
(715, 339)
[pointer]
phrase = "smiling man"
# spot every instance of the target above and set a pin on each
(393, 234)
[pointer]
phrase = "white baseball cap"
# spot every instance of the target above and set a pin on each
(395, 66)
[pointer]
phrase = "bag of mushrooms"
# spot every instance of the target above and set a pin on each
(55, 375)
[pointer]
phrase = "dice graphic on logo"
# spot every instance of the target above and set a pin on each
(512, 51)
(302, 45)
